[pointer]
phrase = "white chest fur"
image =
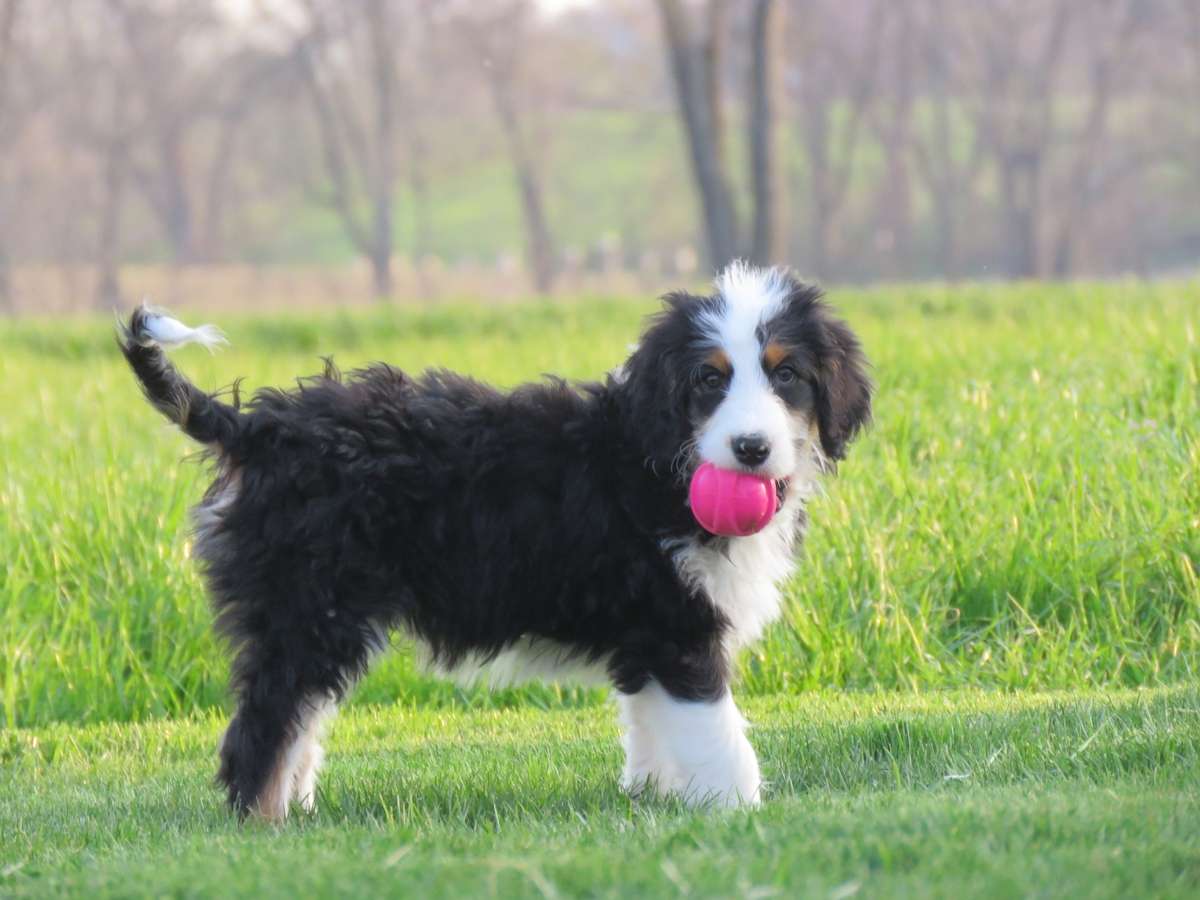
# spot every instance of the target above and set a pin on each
(743, 576)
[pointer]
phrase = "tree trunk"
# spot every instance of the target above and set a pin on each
(539, 246)
(945, 223)
(216, 191)
(830, 137)
(1193, 39)
(418, 184)
(381, 248)
(381, 271)
(765, 248)
(8, 21)
(896, 137)
(108, 285)
(177, 205)
(1019, 185)
(818, 244)
(940, 176)
(820, 189)
(369, 162)
(1022, 138)
(897, 209)
(7, 302)
(336, 164)
(541, 249)
(695, 67)
(383, 186)
(1079, 192)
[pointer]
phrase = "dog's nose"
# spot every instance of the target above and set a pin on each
(751, 449)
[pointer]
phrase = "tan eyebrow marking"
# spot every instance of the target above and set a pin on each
(773, 354)
(718, 359)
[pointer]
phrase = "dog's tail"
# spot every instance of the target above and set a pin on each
(201, 416)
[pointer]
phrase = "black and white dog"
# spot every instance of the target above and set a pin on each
(518, 533)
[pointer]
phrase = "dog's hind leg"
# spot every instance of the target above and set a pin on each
(271, 750)
(262, 746)
(311, 754)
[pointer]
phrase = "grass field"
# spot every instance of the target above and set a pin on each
(1024, 517)
(950, 795)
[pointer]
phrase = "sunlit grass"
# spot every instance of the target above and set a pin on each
(1025, 512)
(948, 795)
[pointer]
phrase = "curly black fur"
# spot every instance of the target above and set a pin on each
(467, 517)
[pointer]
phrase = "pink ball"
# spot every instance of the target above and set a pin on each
(731, 503)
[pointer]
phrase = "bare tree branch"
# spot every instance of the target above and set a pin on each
(836, 71)
(8, 26)
(496, 42)
(8, 22)
(359, 153)
(331, 146)
(1105, 56)
(764, 48)
(694, 65)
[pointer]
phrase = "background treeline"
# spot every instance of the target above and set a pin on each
(854, 139)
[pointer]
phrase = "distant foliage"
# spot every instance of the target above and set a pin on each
(854, 139)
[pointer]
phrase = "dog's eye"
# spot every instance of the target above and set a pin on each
(712, 378)
(786, 375)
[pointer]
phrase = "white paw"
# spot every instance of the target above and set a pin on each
(693, 750)
(726, 780)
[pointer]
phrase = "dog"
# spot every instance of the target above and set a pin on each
(529, 533)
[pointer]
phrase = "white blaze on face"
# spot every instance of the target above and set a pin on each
(751, 297)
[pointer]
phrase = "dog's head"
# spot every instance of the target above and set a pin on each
(757, 377)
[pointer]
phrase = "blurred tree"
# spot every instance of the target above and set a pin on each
(698, 56)
(1190, 13)
(1034, 137)
(187, 77)
(496, 35)
(97, 114)
(8, 26)
(947, 155)
(1019, 49)
(418, 65)
(151, 92)
(170, 98)
(1113, 27)
(1183, 92)
(766, 242)
(832, 76)
(346, 55)
(891, 120)
(249, 78)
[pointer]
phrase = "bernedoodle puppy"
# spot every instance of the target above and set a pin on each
(549, 529)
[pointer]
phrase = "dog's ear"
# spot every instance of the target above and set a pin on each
(843, 388)
(652, 385)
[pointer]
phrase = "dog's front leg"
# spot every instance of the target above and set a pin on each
(647, 765)
(696, 749)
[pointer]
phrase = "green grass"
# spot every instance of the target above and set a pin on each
(1025, 512)
(949, 795)
(1023, 518)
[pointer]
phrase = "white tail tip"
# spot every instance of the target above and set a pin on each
(162, 329)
